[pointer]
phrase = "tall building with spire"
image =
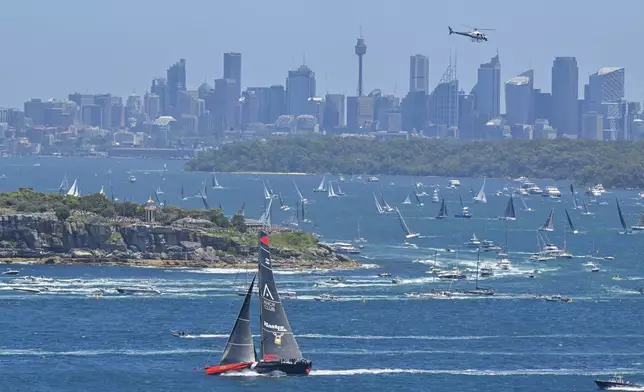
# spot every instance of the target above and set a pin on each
(361, 50)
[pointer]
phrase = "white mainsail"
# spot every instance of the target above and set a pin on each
(480, 197)
(267, 193)
(323, 185)
(331, 191)
(215, 183)
(378, 206)
(299, 193)
(102, 191)
(408, 233)
(407, 200)
(74, 191)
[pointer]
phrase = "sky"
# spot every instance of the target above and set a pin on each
(53, 48)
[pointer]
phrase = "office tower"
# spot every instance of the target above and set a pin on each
(224, 105)
(158, 88)
(152, 106)
(565, 85)
(300, 86)
(276, 103)
(35, 110)
(467, 116)
(360, 113)
(443, 101)
(606, 85)
(419, 73)
(233, 69)
(176, 82)
(542, 105)
(415, 111)
(488, 90)
(360, 50)
(519, 100)
(592, 126)
(333, 111)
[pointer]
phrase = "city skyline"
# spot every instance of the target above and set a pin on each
(330, 56)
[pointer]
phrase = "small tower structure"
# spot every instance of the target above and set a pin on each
(150, 210)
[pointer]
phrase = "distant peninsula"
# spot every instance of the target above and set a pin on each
(585, 162)
(53, 228)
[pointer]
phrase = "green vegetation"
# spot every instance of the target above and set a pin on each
(615, 164)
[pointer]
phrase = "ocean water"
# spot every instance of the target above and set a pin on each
(373, 337)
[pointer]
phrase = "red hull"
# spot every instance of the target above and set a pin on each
(291, 368)
(233, 367)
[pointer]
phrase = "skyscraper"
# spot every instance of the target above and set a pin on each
(158, 88)
(226, 103)
(333, 111)
(176, 82)
(419, 73)
(233, 69)
(300, 86)
(606, 85)
(277, 103)
(519, 99)
(487, 90)
(565, 85)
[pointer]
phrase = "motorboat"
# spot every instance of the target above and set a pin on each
(179, 334)
(32, 290)
(384, 275)
(132, 179)
(479, 291)
(465, 213)
(372, 179)
(326, 297)
(454, 274)
(487, 272)
(618, 382)
(490, 246)
(287, 294)
(532, 274)
(454, 184)
(436, 294)
(594, 267)
(396, 281)
(558, 298)
(503, 263)
(335, 279)
(344, 248)
(552, 192)
(410, 245)
(11, 272)
(148, 290)
(473, 242)
(531, 188)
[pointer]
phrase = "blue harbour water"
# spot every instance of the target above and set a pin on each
(374, 337)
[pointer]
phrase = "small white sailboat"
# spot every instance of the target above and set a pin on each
(102, 191)
(267, 194)
(340, 192)
(378, 206)
(283, 206)
(64, 186)
(74, 191)
(323, 185)
(132, 179)
(407, 200)
(639, 226)
(215, 183)
(480, 197)
(385, 206)
(299, 194)
(159, 191)
(408, 233)
(549, 224)
(330, 191)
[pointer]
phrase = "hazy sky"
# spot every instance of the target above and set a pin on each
(52, 48)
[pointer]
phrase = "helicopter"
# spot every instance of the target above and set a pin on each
(475, 34)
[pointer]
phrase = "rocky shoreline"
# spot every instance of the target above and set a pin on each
(89, 239)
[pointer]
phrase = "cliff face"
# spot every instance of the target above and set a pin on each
(88, 237)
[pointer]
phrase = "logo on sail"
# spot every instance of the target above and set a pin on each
(279, 328)
(267, 293)
(278, 338)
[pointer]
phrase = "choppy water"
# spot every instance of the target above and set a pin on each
(373, 337)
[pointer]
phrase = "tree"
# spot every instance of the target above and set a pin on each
(62, 213)
(239, 223)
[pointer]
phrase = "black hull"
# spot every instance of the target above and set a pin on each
(299, 368)
(463, 216)
(612, 384)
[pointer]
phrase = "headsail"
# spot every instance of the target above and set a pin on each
(277, 339)
(74, 191)
(443, 211)
(621, 217)
(407, 200)
(378, 206)
(509, 213)
(241, 209)
(418, 202)
(240, 347)
(572, 227)
(403, 224)
(102, 191)
(299, 193)
(549, 225)
(64, 185)
(480, 197)
(322, 186)
(267, 193)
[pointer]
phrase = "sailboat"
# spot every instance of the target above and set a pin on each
(525, 206)
(385, 206)
(480, 197)
(407, 200)
(265, 219)
(435, 198)
(330, 191)
(183, 195)
(322, 187)
(74, 191)
(278, 347)
(359, 240)
(621, 220)
(299, 193)
(267, 193)
(586, 211)
(509, 213)
(572, 227)
(408, 233)
(639, 226)
(340, 192)
(378, 206)
(549, 224)
(418, 202)
(574, 198)
(442, 213)
(478, 290)
(283, 206)
(465, 211)
(215, 183)
(159, 191)
(64, 185)
(102, 191)
(302, 215)
(242, 209)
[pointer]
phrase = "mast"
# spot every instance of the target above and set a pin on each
(572, 227)
(621, 217)
(277, 338)
(240, 347)
(478, 260)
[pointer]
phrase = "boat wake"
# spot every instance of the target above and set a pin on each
(474, 372)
